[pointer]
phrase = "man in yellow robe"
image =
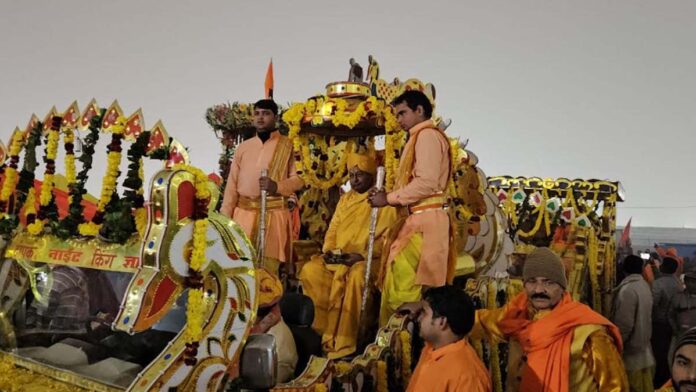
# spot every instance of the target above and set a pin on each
(271, 151)
(419, 254)
(335, 280)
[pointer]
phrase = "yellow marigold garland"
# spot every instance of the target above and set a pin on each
(382, 380)
(393, 139)
(51, 153)
(69, 140)
(109, 181)
(321, 388)
(406, 353)
(195, 309)
(34, 226)
(11, 174)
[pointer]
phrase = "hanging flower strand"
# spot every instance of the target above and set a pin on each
(46, 192)
(11, 173)
(195, 310)
(109, 182)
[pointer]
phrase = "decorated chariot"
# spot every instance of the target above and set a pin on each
(143, 291)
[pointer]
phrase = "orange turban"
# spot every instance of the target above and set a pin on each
(364, 162)
(270, 288)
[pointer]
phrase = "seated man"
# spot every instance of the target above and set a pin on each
(269, 320)
(448, 362)
(335, 280)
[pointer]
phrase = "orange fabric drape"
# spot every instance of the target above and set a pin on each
(547, 341)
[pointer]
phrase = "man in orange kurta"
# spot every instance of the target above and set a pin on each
(448, 362)
(419, 255)
(271, 151)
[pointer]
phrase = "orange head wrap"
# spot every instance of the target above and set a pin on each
(270, 288)
(364, 162)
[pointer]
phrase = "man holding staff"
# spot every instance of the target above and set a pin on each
(335, 280)
(271, 151)
(419, 253)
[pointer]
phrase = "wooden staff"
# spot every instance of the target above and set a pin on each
(261, 235)
(379, 182)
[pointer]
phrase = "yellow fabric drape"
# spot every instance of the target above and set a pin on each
(336, 289)
(400, 280)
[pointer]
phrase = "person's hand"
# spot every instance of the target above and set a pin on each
(410, 309)
(377, 198)
(268, 185)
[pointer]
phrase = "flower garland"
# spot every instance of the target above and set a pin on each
(34, 227)
(69, 144)
(196, 302)
(382, 380)
(46, 192)
(135, 180)
(109, 183)
(372, 105)
(406, 353)
(321, 387)
(11, 174)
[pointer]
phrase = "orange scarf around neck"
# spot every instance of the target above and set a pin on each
(546, 341)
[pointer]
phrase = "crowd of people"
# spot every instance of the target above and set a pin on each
(555, 342)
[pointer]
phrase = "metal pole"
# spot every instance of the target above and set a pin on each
(379, 182)
(261, 234)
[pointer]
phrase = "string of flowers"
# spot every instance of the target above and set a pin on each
(406, 353)
(69, 225)
(321, 387)
(34, 227)
(26, 181)
(196, 303)
(109, 183)
(371, 106)
(135, 179)
(11, 174)
(46, 192)
(69, 145)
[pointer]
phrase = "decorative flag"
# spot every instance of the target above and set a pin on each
(519, 196)
(553, 205)
(568, 214)
(269, 81)
(502, 195)
(535, 199)
(626, 234)
(583, 221)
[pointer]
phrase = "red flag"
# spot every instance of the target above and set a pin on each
(269, 81)
(626, 233)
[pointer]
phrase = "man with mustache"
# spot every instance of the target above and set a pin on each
(683, 365)
(556, 343)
